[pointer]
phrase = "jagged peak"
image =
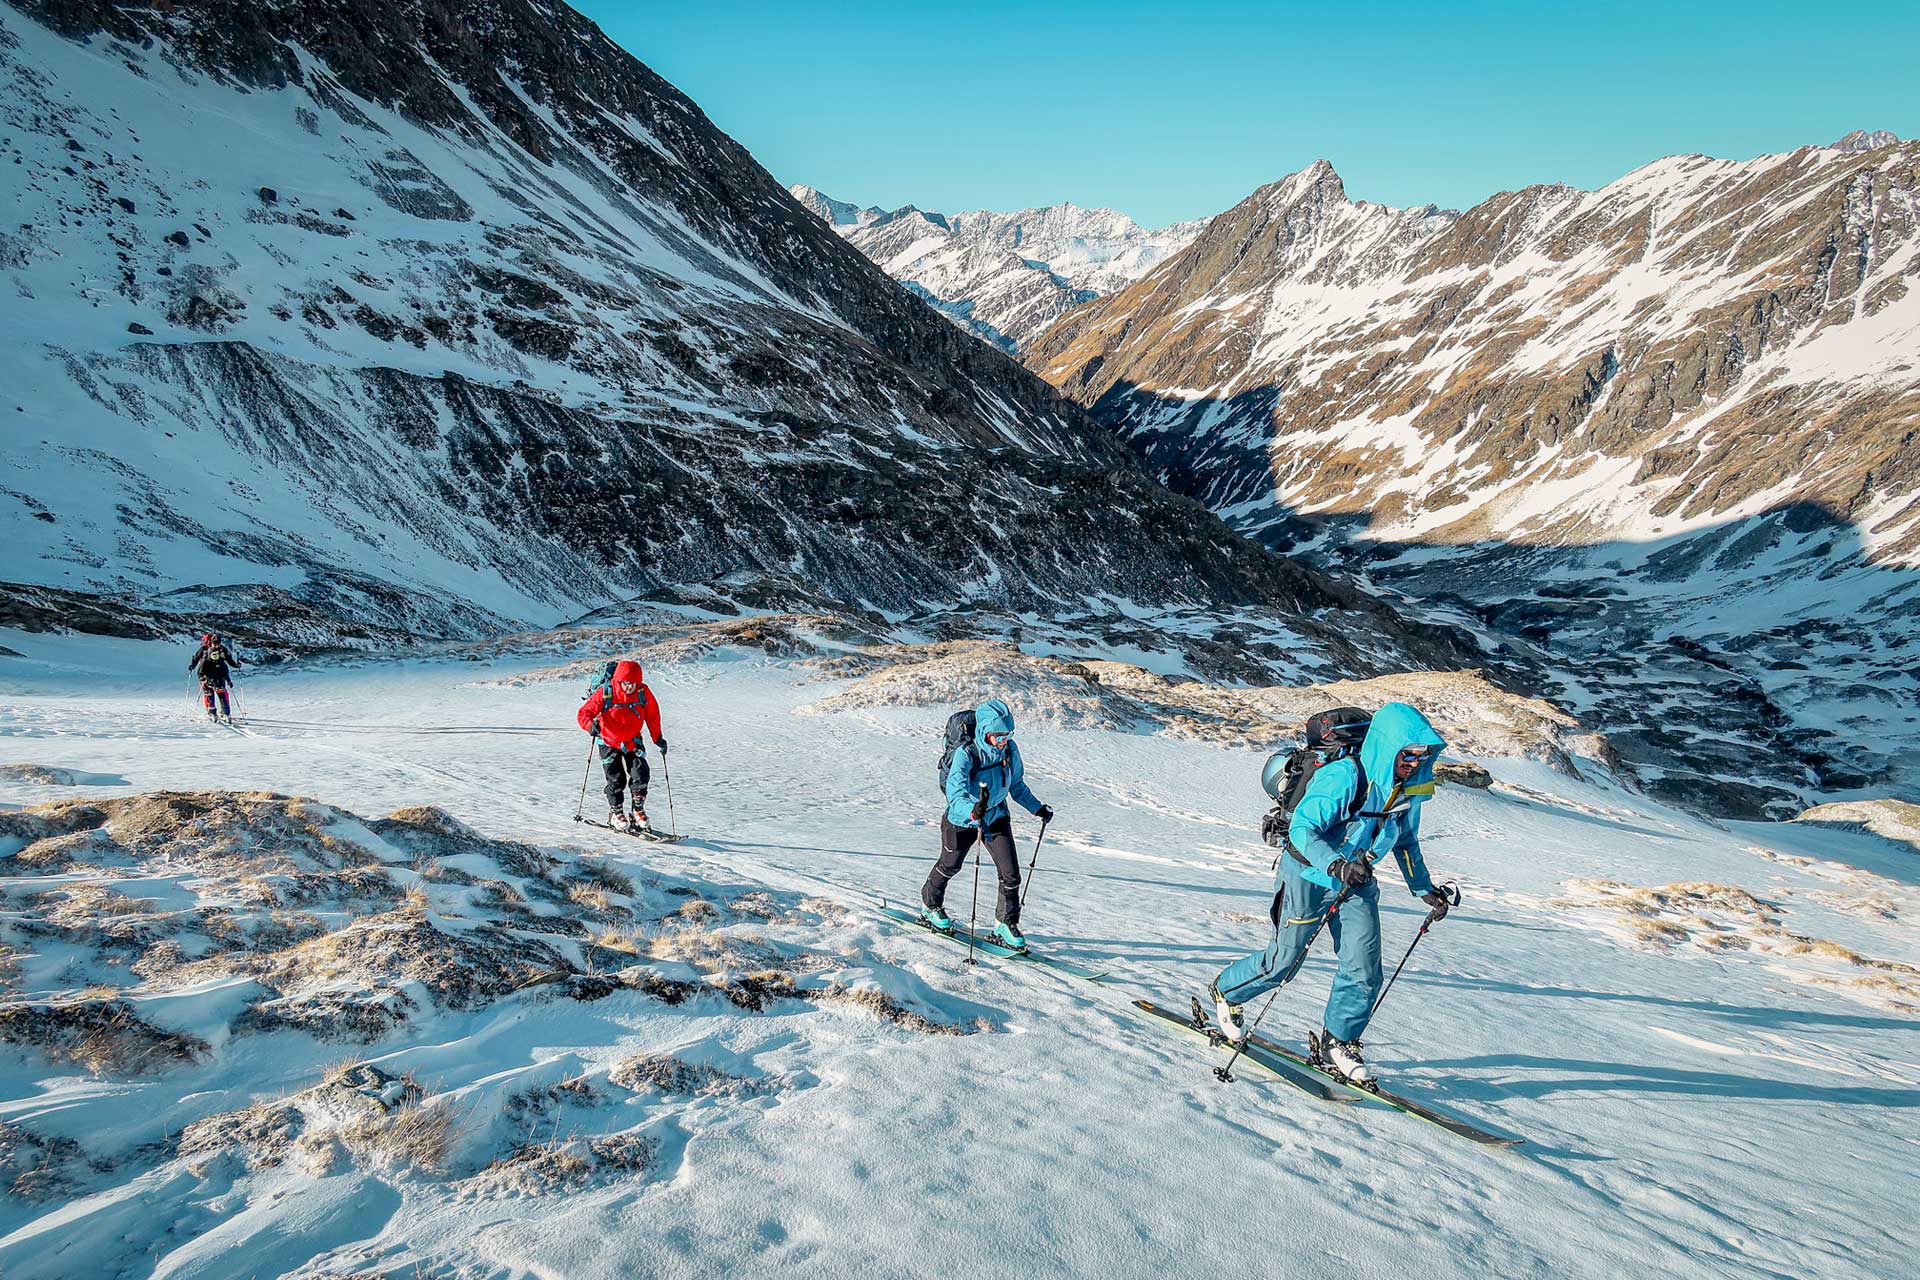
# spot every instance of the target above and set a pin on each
(1865, 140)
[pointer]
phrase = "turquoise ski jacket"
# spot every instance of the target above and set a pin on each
(1320, 829)
(1002, 771)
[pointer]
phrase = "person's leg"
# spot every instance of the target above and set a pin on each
(1006, 861)
(226, 709)
(1296, 915)
(614, 764)
(638, 775)
(1356, 939)
(954, 843)
(206, 696)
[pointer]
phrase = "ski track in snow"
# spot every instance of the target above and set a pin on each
(1688, 1114)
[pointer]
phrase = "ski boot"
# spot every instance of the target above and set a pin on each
(1009, 936)
(937, 920)
(1227, 1016)
(1340, 1058)
(618, 820)
(641, 827)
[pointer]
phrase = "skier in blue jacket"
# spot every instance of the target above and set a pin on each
(994, 759)
(1334, 839)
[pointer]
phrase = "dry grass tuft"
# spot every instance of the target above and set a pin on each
(414, 1136)
(670, 1074)
(105, 1036)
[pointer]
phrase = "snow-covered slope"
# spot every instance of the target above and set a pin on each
(355, 1035)
(1005, 277)
(438, 319)
(1663, 430)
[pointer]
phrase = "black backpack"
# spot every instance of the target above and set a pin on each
(1335, 734)
(960, 727)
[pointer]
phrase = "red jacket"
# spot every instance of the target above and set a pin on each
(622, 716)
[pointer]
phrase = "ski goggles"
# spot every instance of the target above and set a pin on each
(997, 740)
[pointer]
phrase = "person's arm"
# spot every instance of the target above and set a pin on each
(653, 719)
(1017, 788)
(1321, 816)
(960, 797)
(589, 711)
(1413, 867)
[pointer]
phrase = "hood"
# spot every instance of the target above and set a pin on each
(991, 716)
(1396, 727)
(625, 669)
(207, 638)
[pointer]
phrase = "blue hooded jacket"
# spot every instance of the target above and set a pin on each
(1001, 770)
(1320, 829)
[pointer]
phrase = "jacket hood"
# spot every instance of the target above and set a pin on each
(207, 638)
(626, 669)
(1396, 727)
(991, 716)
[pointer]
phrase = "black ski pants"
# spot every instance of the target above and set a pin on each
(624, 770)
(954, 844)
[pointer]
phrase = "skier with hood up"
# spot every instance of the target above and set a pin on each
(1332, 842)
(993, 759)
(215, 664)
(617, 713)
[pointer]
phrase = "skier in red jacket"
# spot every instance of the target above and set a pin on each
(617, 713)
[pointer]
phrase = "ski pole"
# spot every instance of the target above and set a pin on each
(1225, 1074)
(973, 916)
(1032, 863)
(581, 808)
(1452, 891)
(667, 773)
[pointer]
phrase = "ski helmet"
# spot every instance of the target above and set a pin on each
(1273, 774)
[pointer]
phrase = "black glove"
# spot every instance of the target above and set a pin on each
(662, 744)
(1045, 814)
(1436, 900)
(973, 818)
(593, 726)
(1351, 874)
(1273, 830)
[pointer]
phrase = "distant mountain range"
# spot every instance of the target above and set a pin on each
(1666, 429)
(1003, 276)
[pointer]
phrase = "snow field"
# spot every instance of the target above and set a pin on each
(1689, 1111)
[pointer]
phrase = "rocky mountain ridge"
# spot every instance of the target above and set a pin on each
(1617, 427)
(471, 321)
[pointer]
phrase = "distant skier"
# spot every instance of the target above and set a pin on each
(1352, 813)
(992, 758)
(214, 662)
(617, 713)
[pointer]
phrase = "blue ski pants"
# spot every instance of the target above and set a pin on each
(1355, 929)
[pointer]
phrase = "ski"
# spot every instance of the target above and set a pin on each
(645, 833)
(1416, 1109)
(1261, 1052)
(988, 946)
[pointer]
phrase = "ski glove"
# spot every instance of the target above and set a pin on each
(1437, 900)
(1045, 813)
(662, 744)
(1351, 874)
(593, 726)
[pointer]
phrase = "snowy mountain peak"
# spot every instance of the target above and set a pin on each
(1003, 276)
(835, 213)
(1865, 140)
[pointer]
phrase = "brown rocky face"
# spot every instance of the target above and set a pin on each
(1661, 436)
(1725, 337)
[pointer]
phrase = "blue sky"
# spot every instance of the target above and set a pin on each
(1169, 111)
